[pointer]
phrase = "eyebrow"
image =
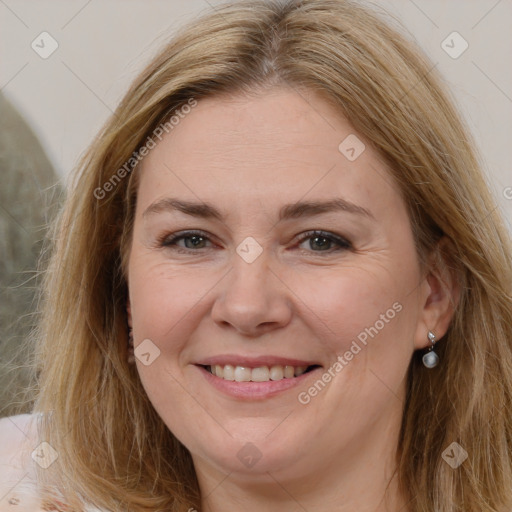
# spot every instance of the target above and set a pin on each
(288, 211)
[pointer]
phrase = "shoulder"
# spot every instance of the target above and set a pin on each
(16, 429)
(22, 454)
(18, 490)
(17, 437)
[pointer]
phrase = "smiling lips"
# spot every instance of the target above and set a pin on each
(254, 377)
(258, 374)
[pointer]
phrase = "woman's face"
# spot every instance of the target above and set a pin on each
(256, 294)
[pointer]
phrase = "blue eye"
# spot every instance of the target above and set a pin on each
(322, 239)
(196, 237)
(195, 240)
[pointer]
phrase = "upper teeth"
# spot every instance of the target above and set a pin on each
(260, 374)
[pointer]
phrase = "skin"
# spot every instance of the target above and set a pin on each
(248, 156)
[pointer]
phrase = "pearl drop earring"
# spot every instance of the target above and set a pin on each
(430, 359)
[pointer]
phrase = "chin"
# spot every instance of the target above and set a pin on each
(279, 454)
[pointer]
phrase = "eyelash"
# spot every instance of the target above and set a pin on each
(170, 241)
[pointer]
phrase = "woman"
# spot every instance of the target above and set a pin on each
(279, 281)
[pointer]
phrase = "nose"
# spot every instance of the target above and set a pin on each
(252, 298)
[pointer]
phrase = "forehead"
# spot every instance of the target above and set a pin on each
(274, 147)
(278, 124)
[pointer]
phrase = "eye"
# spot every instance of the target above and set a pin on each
(324, 241)
(197, 240)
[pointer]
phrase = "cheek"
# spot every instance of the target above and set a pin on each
(342, 303)
(365, 331)
(161, 302)
(158, 309)
(162, 297)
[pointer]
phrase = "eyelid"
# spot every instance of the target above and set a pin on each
(342, 242)
(168, 241)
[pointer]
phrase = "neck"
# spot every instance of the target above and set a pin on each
(230, 495)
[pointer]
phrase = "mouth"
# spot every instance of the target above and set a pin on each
(261, 373)
(256, 379)
(249, 377)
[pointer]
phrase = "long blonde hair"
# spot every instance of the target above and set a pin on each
(114, 450)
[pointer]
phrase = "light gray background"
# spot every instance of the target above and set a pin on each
(104, 43)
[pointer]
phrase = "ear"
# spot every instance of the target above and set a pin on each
(440, 294)
(129, 312)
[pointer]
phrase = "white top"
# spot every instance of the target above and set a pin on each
(20, 451)
(18, 479)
